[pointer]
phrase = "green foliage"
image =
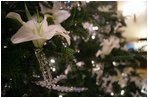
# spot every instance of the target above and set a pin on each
(19, 62)
(27, 12)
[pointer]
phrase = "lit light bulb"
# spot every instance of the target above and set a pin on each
(87, 1)
(60, 96)
(95, 28)
(114, 63)
(45, 44)
(53, 69)
(5, 46)
(122, 92)
(92, 61)
(78, 4)
(52, 61)
(112, 94)
(130, 7)
(93, 37)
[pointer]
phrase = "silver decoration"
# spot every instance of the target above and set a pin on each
(68, 89)
(53, 85)
(6, 88)
(98, 70)
(50, 82)
(44, 65)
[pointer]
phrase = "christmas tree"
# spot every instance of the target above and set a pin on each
(68, 48)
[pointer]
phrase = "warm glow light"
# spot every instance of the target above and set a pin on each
(52, 61)
(140, 44)
(136, 18)
(53, 69)
(122, 92)
(60, 96)
(143, 33)
(112, 93)
(131, 7)
(93, 37)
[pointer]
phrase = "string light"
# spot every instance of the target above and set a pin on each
(45, 44)
(95, 28)
(52, 61)
(5, 46)
(87, 1)
(122, 92)
(78, 4)
(53, 69)
(92, 61)
(60, 96)
(144, 90)
(130, 7)
(112, 94)
(114, 63)
(93, 37)
(78, 51)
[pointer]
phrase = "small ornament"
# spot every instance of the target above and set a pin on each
(48, 81)
(108, 45)
(105, 8)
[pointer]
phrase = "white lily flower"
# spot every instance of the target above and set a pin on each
(37, 32)
(108, 45)
(58, 15)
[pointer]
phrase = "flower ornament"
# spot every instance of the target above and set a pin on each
(36, 31)
(58, 15)
(105, 8)
(88, 26)
(98, 71)
(108, 45)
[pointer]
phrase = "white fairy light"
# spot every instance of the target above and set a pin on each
(122, 92)
(60, 96)
(64, 44)
(124, 74)
(24, 56)
(78, 4)
(112, 94)
(78, 51)
(53, 69)
(45, 44)
(5, 46)
(92, 61)
(95, 28)
(93, 37)
(114, 63)
(144, 90)
(52, 61)
(87, 1)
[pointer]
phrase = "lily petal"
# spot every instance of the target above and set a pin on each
(16, 16)
(25, 33)
(60, 16)
(56, 30)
